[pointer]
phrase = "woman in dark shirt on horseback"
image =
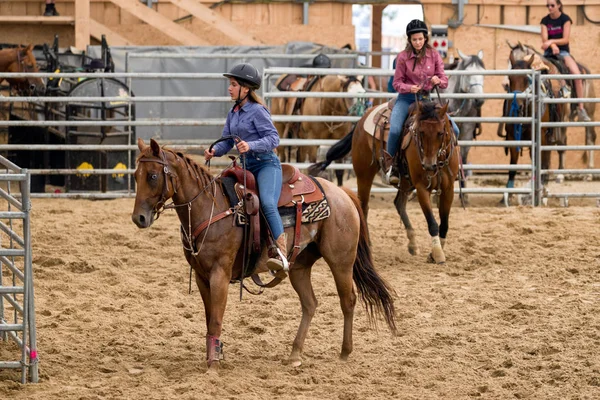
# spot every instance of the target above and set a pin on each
(556, 31)
(250, 120)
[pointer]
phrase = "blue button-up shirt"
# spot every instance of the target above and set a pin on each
(253, 124)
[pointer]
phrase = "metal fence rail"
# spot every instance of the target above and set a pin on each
(17, 310)
(542, 101)
(270, 72)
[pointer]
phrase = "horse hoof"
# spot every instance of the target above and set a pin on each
(213, 368)
(294, 363)
(413, 250)
(438, 255)
(430, 259)
(344, 357)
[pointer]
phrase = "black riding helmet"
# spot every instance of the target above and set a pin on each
(321, 61)
(246, 75)
(416, 26)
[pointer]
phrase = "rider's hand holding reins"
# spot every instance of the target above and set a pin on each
(243, 146)
(435, 80)
(208, 154)
(415, 88)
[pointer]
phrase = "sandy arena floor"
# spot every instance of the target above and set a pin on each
(514, 313)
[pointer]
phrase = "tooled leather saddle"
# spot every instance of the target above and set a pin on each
(298, 192)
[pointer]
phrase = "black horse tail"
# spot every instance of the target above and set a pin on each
(373, 290)
(337, 151)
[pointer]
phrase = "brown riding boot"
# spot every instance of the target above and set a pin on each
(280, 262)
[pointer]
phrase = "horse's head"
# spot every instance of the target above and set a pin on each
(471, 83)
(23, 60)
(434, 132)
(520, 83)
(351, 84)
(155, 182)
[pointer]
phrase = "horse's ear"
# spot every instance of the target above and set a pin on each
(530, 60)
(443, 111)
(480, 54)
(520, 45)
(343, 78)
(462, 55)
(29, 48)
(141, 144)
(512, 47)
(155, 147)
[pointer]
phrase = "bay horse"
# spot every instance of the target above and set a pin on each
(522, 108)
(198, 197)
(519, 52)
(319, 106)
(21, 59)
(432, 157)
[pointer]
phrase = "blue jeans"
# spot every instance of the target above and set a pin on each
(266, 168)
(399, 114)
(562, 53)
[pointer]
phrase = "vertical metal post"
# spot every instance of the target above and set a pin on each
(305, 13)
(538, 143)
(129, 128)
(28, 303)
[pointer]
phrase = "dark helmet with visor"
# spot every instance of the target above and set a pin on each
(321, 61)
(416, 26)
(246, 75)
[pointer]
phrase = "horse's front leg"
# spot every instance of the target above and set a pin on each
(218, 285)
(400, 203)
(446, 199)
(437, 254)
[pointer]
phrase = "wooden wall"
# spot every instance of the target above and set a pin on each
(271, 23)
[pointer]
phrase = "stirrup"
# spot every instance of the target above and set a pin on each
(390, 178)
(278, 264)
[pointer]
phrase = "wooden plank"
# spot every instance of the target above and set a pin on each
(32, 19)
(448, 2)
(536, 14)
(217, 21)
(168, 27)
(471, 14)
(514, 15)
(489, 14)
(111, 14)
(169, 11)
(82, 24)
(97, 30)
(433, 14)
(347, 13)
(97, 12)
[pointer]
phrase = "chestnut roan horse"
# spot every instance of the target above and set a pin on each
(21, 59)
(341, 240)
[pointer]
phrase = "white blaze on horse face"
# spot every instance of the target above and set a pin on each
(475, 82)
(356, 87)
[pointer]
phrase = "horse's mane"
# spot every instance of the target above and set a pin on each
(472, 60)
(521, 64)
(196, 170)
(429, 111)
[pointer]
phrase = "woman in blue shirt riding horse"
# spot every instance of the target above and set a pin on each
(250, 120)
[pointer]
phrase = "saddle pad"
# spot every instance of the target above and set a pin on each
(311, 212)
(369, 124)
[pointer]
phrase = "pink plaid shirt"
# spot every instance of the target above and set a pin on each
(432, 64)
